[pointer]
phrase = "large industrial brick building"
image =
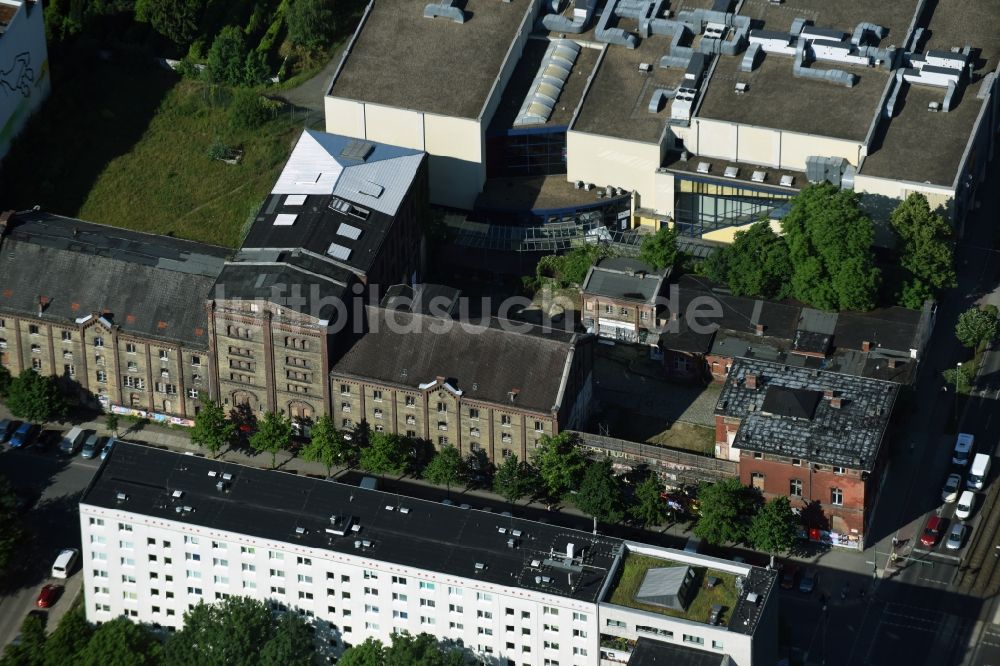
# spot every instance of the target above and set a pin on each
(707, 114)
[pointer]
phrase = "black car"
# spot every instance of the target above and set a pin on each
(48, 439)
(7, 428)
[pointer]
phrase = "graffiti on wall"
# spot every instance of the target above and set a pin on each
(19, 76)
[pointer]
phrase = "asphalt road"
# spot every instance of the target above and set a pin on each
(54, 523)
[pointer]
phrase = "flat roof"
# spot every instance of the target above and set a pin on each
(406, 531)
(534, 193)
(921, 146)
(403, 60)
(783, 415)
(779, 100)
(650, 652)
(674, 161)
(519, 87)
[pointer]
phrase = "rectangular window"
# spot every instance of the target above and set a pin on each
(304, 561)
(795, 487)
(580, 617)
(838, 470)
(33, 329)
(400, 615)
(505, 420)
(695, 640)
(484, 596)
(424, 585)
(345, 389)
(397, 596)
(836, 496)
(717, 645)
(398, 580)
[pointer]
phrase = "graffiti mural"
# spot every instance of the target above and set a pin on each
(19, 76)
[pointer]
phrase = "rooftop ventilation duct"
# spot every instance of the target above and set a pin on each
(800, 70)
(610, 35)
(444, 9)
(750, 58)
(583, 13)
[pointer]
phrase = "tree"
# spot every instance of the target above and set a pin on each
(5, 380)
(755, 264)
(31, 650)
(775, 527)
(327, 445)
(478, 469)
(69, 639)
(960, 378)
(369, 653)
(560, 465)
(274, 433)
(726, 510)
(513, 479)
(236, 628)
(177, 20)
(291, 644)
(111, 421)
(227, 57)
(976, 326)
(445, 468)
(600, 493)
(121, 642)
(649, 508)
(409, 650)
(35, 398)
(926, 251)
(660, 249)
(311, 23)
(829, 241)
(385, 454)
(12, 532)
(211, 428)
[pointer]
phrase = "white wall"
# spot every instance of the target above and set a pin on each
(761, 145)
(24, 70)
(604, 161)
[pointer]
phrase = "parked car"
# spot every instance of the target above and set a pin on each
(789, 573)
(808, 582)
(63, 565)
(48, 596)
(951, 485)
(47, 439)
(70, 444)
(956, 537)
(106, 449)
(932, 531)
(25, 435)
(92, 446)
(965, 505)
(7, 427)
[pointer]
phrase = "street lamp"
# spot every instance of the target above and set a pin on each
(958, 371)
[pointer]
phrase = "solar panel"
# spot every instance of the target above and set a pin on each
(284, 219)
(347, 230)
(357, 150)
(338, 251)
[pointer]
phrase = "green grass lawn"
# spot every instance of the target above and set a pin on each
(634, 571)
(127, 145)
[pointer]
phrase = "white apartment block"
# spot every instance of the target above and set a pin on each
(162, 531)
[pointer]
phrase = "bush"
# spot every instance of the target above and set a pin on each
(249, 110)
(227, 57)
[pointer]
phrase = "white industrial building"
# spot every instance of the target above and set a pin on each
(24, 66)
(162, 531)
(707, 114)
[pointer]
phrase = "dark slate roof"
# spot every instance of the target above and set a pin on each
(624, 278)
(287, 279)
(428, 299)
(272, 504)
(783, 417)
(484, 361)
(791, 403)
(651, 652)
(149, 285)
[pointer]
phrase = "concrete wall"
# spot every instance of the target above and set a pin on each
(345, 117)
(603, 161)
(24, 70)
(767, 147)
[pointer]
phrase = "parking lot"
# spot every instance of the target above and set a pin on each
(53, 485)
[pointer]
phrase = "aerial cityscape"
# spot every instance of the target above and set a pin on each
(501, 332)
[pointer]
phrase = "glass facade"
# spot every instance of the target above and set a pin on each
(527, 153)
(704, 205)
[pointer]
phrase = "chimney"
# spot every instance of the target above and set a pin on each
(751, 382)
(673, 316)
(513, 394)
(569, 550)
(892, 364)
(866, 346)
(43, 301)
(828, 393)
(440, 380)
(760, 329)
(835, 403)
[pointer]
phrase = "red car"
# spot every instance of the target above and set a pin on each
(48, 596)
(932, 532)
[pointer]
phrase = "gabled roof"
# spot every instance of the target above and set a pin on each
(375, 175)
(624, 278)
(149, 285)
(485, 362)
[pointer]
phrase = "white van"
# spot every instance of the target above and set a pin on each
(64, 563)
(963, 448)
(978, 472)
(72, 442)
(966, 502)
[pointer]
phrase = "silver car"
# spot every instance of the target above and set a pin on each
(956, 536)
(950, 491)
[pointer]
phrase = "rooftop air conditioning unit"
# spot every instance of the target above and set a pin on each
(731, 172)
(742, 87)
(758, 176)
(786, 181)
(934, 107)
(645, 67)
(704, 167)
